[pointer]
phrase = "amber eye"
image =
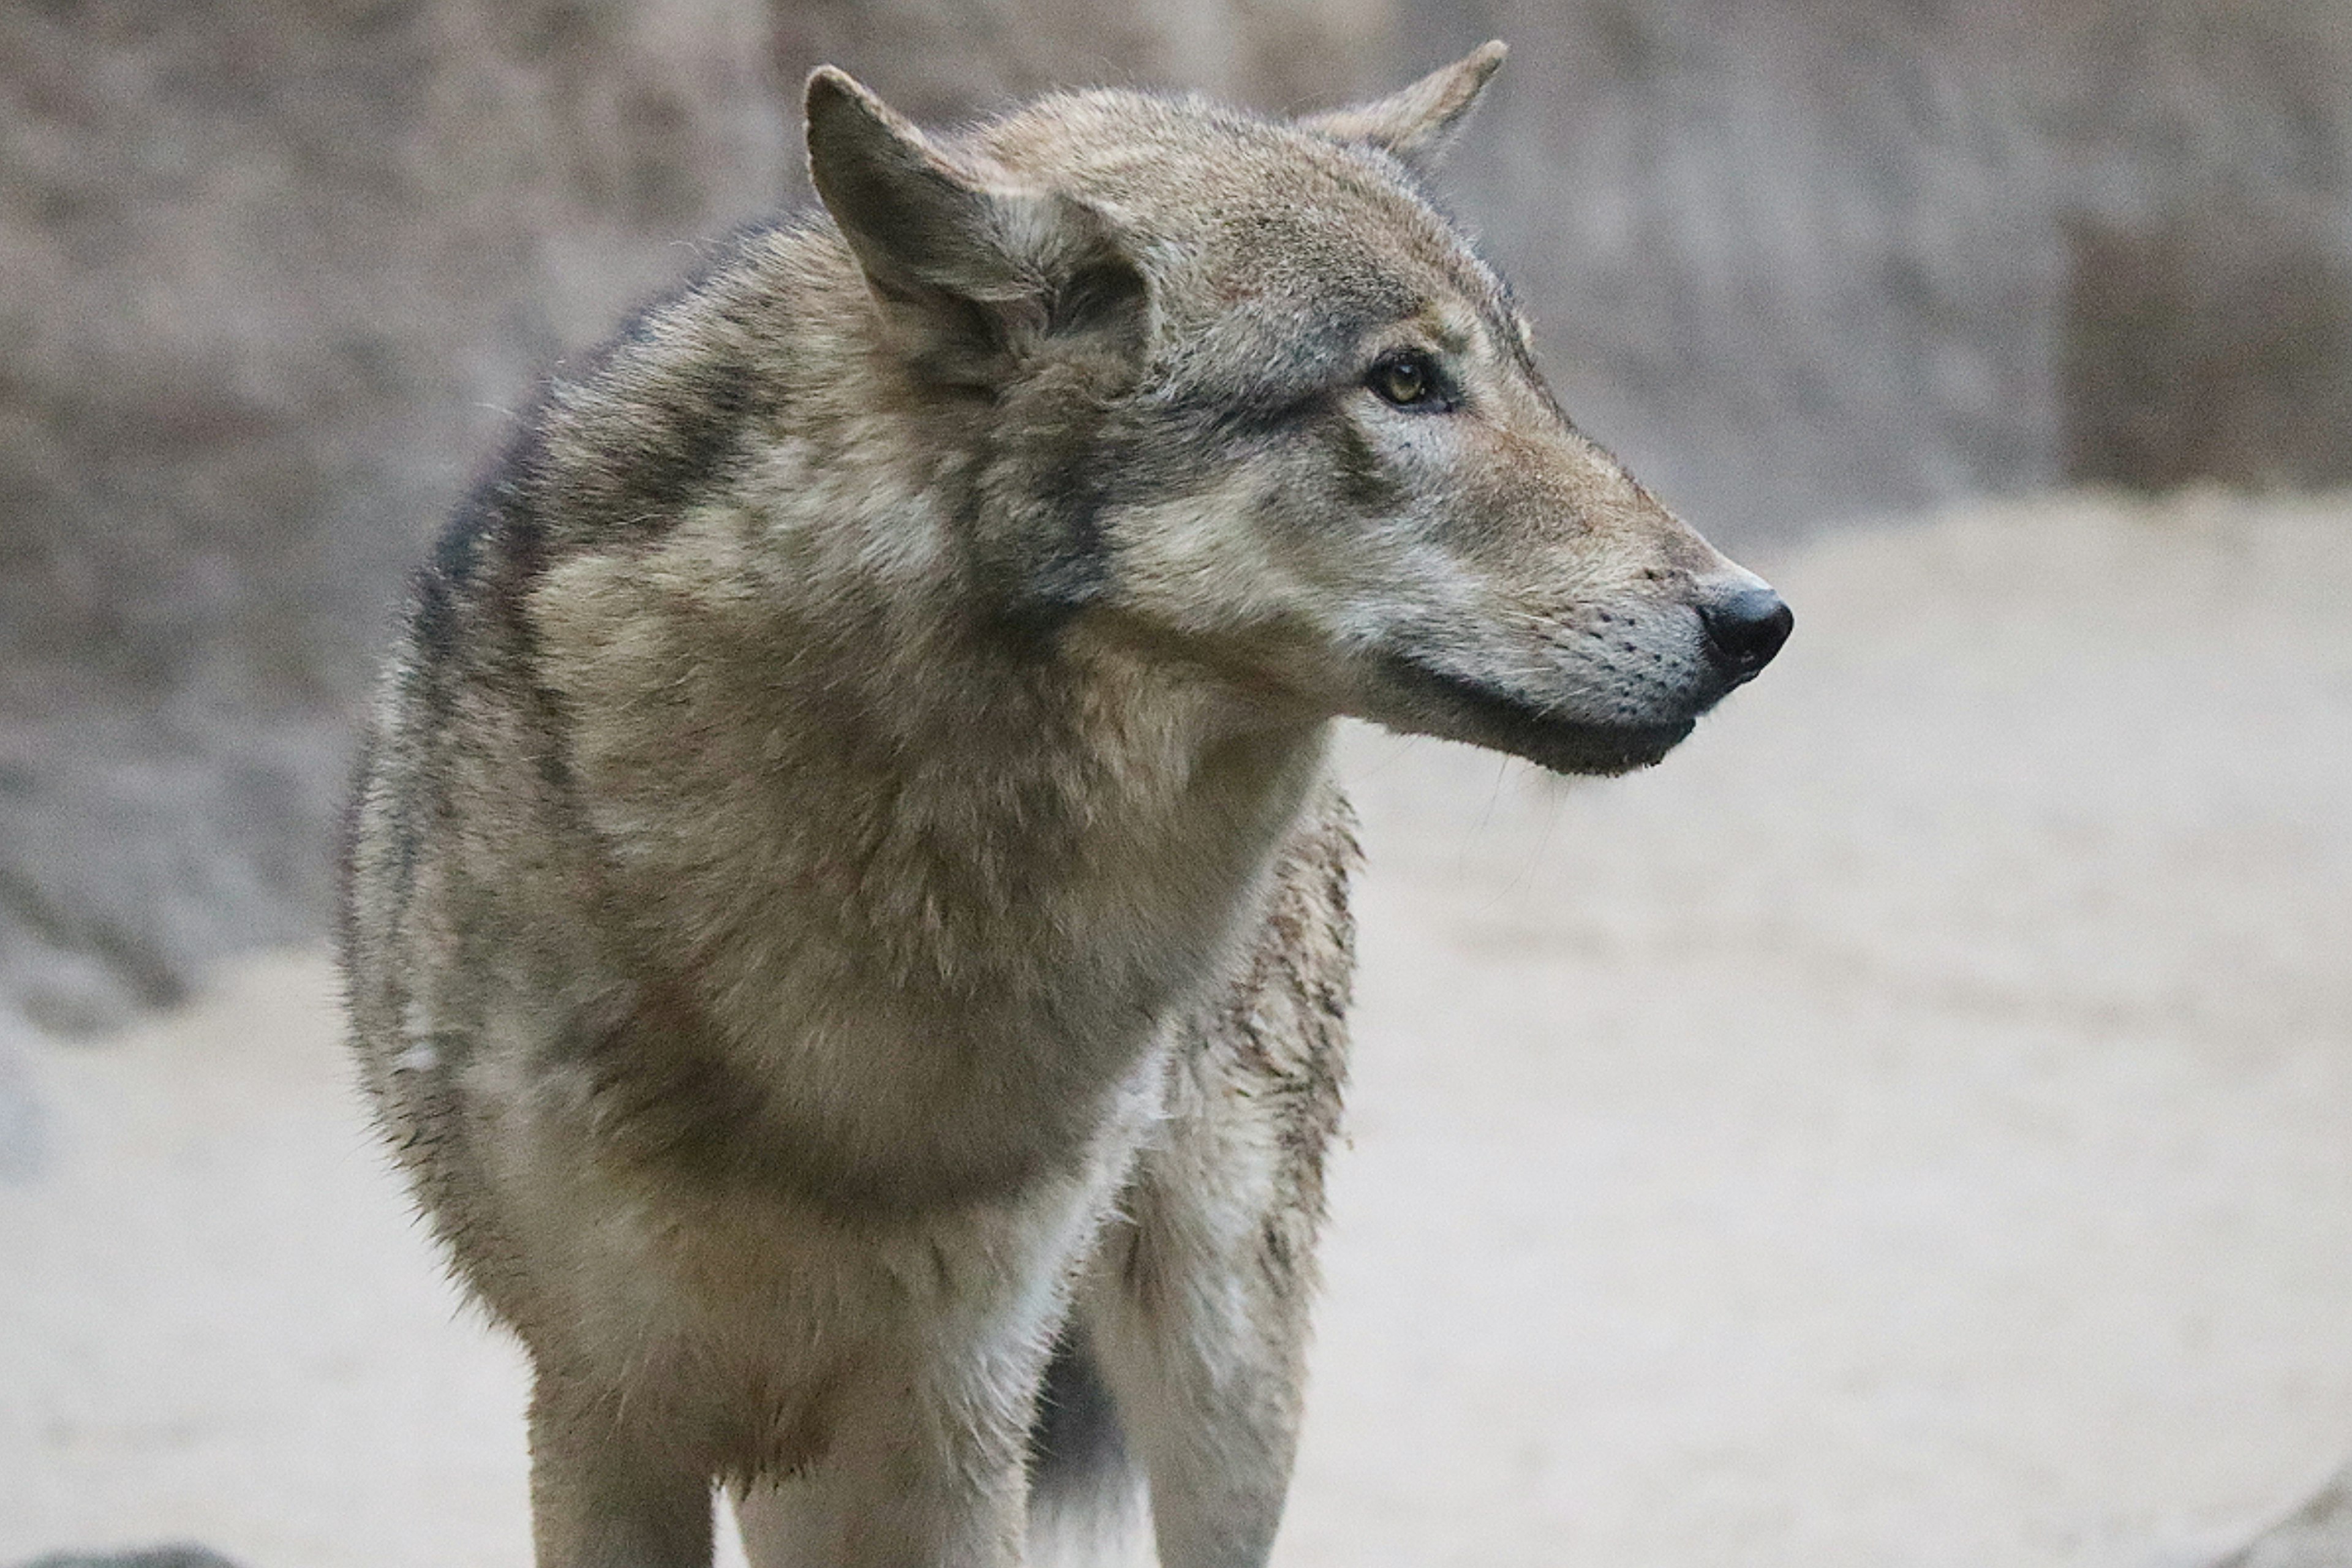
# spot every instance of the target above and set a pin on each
(1406, 379)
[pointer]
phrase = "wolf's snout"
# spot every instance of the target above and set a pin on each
(1744, 629)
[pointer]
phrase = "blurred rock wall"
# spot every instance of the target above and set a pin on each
(271, 271)
(272, 275)
(1799, 259)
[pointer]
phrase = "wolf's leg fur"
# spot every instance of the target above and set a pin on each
(765, 1515)
(934, 1483)
(1195, 1305)
(602, 1497)
(1195, 1309)
(1207, 1365)
(884, 1510)
(1196, 1315)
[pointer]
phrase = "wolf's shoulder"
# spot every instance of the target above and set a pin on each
(619, 442)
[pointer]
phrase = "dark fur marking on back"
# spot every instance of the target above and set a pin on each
(685, 446)
(1076, 571)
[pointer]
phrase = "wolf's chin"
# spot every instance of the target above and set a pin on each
(1423, 701)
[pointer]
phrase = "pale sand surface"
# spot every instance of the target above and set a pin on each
(1912, 1126)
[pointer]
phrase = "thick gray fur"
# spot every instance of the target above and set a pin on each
(845, 893)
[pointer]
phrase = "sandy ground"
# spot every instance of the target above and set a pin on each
(1913, 1126)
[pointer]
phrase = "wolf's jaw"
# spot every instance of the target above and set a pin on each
(1424, 701)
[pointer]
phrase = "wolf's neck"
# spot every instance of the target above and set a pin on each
(1093, 811)
(822, 797)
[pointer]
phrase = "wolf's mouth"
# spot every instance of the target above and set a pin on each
(1431, 701)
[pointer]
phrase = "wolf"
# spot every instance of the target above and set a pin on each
(847, 909)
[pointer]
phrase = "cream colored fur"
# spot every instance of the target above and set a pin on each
(845, 907)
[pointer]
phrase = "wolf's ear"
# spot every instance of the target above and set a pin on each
(1416, 123)
(971, 272)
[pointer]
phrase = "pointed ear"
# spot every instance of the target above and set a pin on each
(1416, 123)
(915, 220)
(969, 272)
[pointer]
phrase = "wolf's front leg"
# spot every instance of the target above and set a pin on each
(1196, 1304)
(606, 1495)
(1196, 1313)
(872, 1511)
(1205, 1362)
(920, 1486)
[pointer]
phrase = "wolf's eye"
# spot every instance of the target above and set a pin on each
(1407, 379)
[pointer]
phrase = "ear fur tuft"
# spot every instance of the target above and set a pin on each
(1418, 122)
(968, 271)
(914, 217)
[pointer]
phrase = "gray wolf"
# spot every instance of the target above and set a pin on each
(846, 922)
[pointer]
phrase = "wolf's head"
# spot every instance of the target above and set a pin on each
(1246, 399)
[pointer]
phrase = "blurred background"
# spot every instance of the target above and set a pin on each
(1855, 285)
(276, 274)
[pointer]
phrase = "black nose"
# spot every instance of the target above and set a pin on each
(1746, 628)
